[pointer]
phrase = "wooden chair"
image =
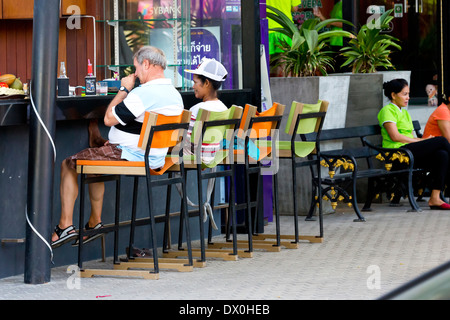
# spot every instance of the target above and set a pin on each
(213, 128)
(158, 131)
(303, 119)
(255, 141)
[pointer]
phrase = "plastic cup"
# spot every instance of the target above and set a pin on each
(102, 88)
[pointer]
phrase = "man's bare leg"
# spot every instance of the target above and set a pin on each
(68, 192)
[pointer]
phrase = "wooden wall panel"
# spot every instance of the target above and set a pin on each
(16, 46)
(18, 9)
(75, 46)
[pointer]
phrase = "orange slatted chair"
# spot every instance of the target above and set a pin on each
(158, 131)
(257, 135)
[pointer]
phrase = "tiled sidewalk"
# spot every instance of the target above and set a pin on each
(357, 260)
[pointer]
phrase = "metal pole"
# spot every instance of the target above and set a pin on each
(41, 153)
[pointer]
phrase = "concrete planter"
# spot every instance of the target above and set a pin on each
(355, 99)
(307, 90)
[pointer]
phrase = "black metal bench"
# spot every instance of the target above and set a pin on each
(387, 171)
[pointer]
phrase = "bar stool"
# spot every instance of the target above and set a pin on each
(158, 131)
(213, 128)
(258, 133)
(304, 119)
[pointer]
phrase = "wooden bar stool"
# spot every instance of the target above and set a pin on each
(158, 131)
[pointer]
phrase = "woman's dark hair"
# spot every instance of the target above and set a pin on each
(394, 86)
(216, 84)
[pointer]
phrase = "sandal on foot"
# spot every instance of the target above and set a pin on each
(89, 238)
(64, 235)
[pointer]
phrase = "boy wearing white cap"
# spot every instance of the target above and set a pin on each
(208, 78)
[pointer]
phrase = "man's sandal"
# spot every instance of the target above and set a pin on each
(64, 235)
(88, 239)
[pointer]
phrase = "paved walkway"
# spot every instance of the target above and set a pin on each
(356, 261)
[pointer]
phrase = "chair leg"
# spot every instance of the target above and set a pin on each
(200, 215)
(319, 198)
(116, 222)
(233, 208)
(81, 222)
(184, 216)
(249, 209)
(152, 224)
(166, 238)
(277, 214)
(133, 217)
(294, 190)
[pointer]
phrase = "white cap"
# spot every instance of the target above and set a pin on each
(211, 69)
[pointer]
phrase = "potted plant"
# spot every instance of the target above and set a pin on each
(370, 50)
(367, 54)
(307, 55)
(304, 59)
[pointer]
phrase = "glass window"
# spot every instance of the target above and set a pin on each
(186, 30)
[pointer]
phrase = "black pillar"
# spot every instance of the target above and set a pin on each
(41, 154)
(444, 46)
(251, 41)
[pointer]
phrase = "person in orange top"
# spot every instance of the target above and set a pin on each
(438, 123)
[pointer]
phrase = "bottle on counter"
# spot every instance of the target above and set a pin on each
(90, 81)
(63, 81)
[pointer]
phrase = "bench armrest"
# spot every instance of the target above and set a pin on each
(389, 155)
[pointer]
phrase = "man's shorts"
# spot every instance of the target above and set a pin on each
(275, 40)
(108, 152)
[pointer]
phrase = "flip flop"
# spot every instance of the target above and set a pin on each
(64, 235)
(91, 237)
(444, 206)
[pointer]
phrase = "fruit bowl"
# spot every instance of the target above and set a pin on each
(9, 93)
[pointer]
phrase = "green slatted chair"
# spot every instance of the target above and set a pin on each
(213, 128)
(303, 119)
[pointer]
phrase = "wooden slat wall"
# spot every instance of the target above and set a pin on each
(75, 46)
(16, 45)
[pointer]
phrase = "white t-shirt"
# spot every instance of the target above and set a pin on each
(157, 95)
(208, 150)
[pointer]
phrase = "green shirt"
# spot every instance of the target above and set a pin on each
(399, 116)
(336, 13)
(284, 6)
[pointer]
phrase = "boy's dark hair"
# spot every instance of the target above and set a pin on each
(394, 86)
(216, 84)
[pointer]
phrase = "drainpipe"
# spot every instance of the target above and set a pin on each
(38, 254)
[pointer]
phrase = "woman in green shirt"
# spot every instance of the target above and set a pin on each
(432, 153)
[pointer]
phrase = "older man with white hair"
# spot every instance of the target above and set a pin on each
(124, 115)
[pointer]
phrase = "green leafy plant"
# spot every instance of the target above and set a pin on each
(307, 54)
(370, 50)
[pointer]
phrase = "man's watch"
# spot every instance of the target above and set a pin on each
(122, 88)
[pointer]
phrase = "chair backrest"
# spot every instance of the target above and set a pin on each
(210, 129)
(212, 133)
(260, 128)
(161, 139)
(305, 125)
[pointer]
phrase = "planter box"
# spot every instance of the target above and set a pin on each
(307, 90)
